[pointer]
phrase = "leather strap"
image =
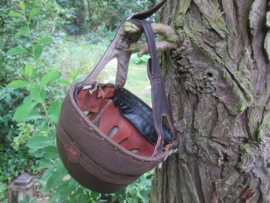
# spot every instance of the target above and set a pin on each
(159, 102)
(148, 13)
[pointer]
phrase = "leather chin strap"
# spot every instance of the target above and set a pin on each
(118, 50)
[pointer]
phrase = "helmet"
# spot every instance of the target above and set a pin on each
(106, 136)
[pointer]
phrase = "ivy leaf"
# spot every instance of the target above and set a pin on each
(15, 14)
(46, 40)
(28, 70)
(49, 77)
(23, 111)
(51, 152)
(22, 31)
(33, 12)
(17, 84)
(17, 50)
(37, 51)
(38, 142)
(37, 93)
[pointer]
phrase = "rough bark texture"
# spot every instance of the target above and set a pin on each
(218, 85)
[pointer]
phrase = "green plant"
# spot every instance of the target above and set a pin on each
(142, 60)
(33, 97)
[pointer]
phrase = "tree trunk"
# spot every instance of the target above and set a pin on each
(218, 85)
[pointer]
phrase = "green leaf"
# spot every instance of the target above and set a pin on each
(82, 198)
(54, 118)
(95, 195)
(144, 194)
(53, 197)
(64, 190)
(37, 51)
(28, 71)
(5, 200)
(51, 152)
(54, 180)
(15, 14)
(45, 163)
(22, 6)
(23, 111)
(33, 200)
(33, 12)
(64, 81)
(50, 77)
(23, 201)
(38, 142)
(47, 173)
(34, 115)
(75, 74)
(37, 93)
(27, 198)
(54, 111)
(27, 99)
(46, 40)
(72, 183)
(61, 168)
(17, 84)
(17, 50)
(22, 31)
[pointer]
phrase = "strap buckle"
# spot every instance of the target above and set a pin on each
(130, 17)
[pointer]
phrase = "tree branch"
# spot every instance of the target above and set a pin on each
(170, 38)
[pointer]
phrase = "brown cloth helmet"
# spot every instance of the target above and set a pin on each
(107, 137)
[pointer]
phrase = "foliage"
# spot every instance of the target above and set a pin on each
(31, 92)
(24, 31)
(141, 60)
(95, 13)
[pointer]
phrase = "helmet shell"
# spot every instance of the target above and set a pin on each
(91, 157)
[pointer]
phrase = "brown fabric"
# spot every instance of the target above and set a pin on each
(98, 146)
(82, 175)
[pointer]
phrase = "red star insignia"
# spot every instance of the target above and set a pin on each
(72, 153)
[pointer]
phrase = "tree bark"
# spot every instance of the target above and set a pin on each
(218, 85)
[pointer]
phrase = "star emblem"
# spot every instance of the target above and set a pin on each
(73, 153)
